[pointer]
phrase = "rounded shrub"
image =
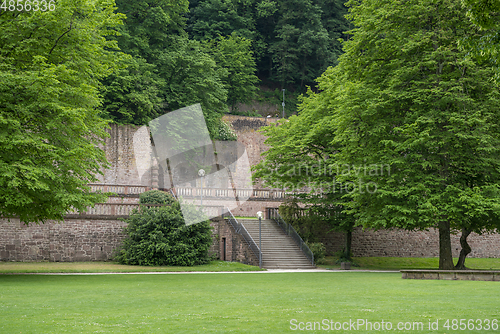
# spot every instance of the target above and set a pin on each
(158, 236)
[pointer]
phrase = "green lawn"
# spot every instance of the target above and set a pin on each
(397, 263)
(236, 302)
(111, 267)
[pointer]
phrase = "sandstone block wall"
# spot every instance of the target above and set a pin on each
(128, 151)
(93, 240)
(247, 130)
(96, 240)
(72, 240)
(401, 243)
(236, 246)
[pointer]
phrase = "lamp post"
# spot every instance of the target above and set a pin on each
(201, 173)
(283, 104)
(259, 214)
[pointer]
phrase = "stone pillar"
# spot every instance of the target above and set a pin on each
(154, 174)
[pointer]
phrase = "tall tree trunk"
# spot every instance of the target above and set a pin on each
(465, 249)
(347, 248)
(445, 256)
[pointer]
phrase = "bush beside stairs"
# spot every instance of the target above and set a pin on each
(279, 251)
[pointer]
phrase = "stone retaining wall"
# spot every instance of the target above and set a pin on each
(72, 240)
(401, 243)
(94, 240)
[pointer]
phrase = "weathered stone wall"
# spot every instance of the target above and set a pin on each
(93, 240)
(236, 247)
(247, 130)
(401, 243)
(96, 240)
(128, 151)
(72, 240)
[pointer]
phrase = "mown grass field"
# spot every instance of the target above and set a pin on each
(238, 302)
(365, 263)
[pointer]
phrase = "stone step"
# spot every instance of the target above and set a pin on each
(282, 266)
(279, 251)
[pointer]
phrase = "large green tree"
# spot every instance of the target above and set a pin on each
(406, 99)
(210, 18)
(50, 66)
(406, 125)
(299, 160)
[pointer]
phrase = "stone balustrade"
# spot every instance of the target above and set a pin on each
(230, 193)
(188, 192)
(124, 210)
(119, 189)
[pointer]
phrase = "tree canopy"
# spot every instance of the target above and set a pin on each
(167, 70)
(50, 66)
(485, 14)
(234, 58)
(293, 41)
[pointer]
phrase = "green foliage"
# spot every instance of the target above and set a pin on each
(150, 25)
(50, 66)
(211, 18)
(297, 216)
(156, 197)
(302, 41)
(275, 96)
(132, 94)
(485, 48)
(297, 160)
(406, 98)
(293, 41)
(191, 77)
(234, 57)
(167, 70)
(318, 249)
(226, 133)
(158, 236)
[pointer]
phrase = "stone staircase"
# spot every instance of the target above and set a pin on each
(279, 251)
